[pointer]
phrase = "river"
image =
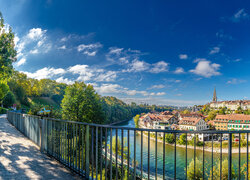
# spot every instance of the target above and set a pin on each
(169, 156)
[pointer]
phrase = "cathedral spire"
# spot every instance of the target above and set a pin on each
(214, 96)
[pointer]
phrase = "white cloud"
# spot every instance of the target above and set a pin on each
(160, 66)
(84, 72)
(138, 66)
(236, 81)
(177, 81)
(89, 49)
(179, 70)
(122, 56)
(159, 86)
(34, 51)
(62, 47)
(183, 56)
(114, 50)
(160, 93)
(108, 76)
(215, 50)
(36, 33)
(45, 73)
(21, 61)
(109, 88)
(64, 80)
(206, 69)
(240, 15)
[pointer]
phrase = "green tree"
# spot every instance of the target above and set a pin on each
(198, 169)
(82, 103)
(9, 100)
(186, 111)
(170, 138)
(182, 139)
(211, 115)
(136, 120)
(4, 88)
(216, 171)
(7, 50)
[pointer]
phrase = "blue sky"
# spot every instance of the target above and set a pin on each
(159, 52)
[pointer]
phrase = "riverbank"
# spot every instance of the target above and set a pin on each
(207, 149)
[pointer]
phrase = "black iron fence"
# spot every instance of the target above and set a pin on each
(111, 152)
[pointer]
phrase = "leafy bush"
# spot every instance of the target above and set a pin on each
(3, 110)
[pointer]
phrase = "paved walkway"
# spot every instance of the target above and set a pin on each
(21, 159)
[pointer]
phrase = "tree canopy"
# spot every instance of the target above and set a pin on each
(7, 50)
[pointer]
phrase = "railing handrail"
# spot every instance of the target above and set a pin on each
(144, 129)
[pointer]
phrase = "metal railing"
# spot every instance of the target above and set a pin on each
(112, 152)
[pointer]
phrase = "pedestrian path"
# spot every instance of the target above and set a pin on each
(21, 159)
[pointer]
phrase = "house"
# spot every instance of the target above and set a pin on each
(193, 124)
(238, 122)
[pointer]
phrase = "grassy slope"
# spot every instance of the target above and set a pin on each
(45, 101)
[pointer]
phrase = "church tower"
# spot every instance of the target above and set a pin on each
(214, 96)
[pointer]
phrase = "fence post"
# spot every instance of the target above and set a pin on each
(87, 153)
(229, 156)
(41, 129)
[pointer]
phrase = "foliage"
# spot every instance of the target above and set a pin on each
(34, 109)
(211, 115)
(216, 171)
(82, 103)
(198, 169)
(7, 50)
(170, 138)
(9, 99)
(185, 111)
(4, 88)
(182, 139)
(3, 110)
(136, 120)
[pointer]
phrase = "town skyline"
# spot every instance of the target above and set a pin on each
(152, 55)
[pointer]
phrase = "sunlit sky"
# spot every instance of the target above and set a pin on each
(161, 52)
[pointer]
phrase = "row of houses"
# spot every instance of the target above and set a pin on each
(232, 122)
(174, 120)
(232, 105)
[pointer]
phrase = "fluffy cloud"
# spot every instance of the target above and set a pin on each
(89, 49)
(183, 56)
(64, 80)
(206, 69)
(36, 33)
(83, 71)
(108, 88)
(215, 50)
(160, 66)
(138, 66)
(179, 70)
(45, 73)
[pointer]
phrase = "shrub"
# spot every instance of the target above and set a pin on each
(3, 110)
